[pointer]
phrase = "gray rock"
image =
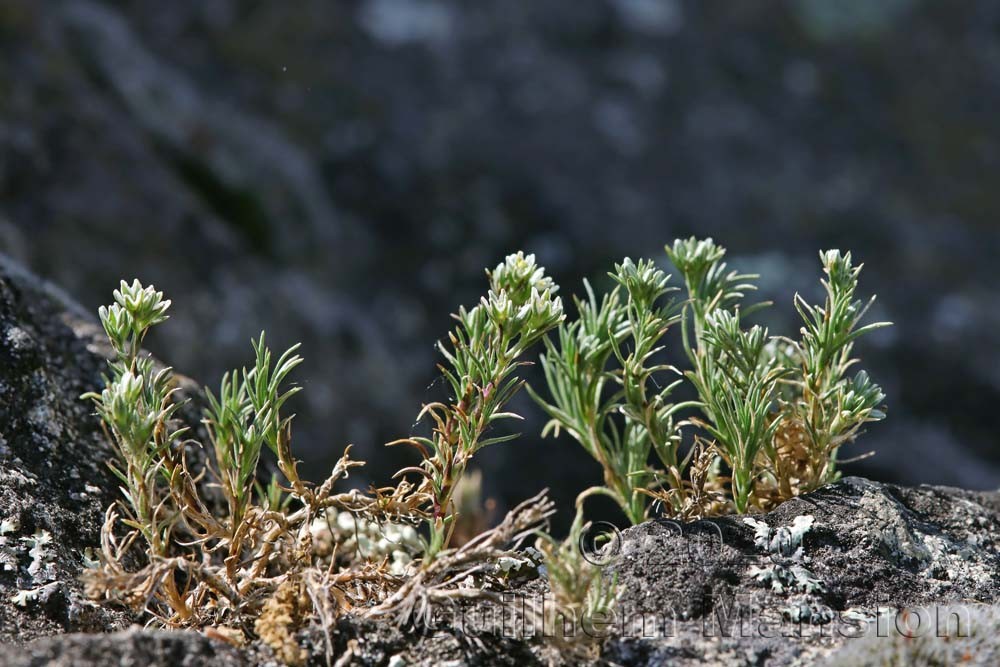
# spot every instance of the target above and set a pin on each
(127, 648)
(54, 485)
(715, 592)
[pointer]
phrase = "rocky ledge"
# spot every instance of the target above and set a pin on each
(858, 572)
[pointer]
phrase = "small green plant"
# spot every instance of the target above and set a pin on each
(737, 383)
(482, 355)
(581, 598)
(244, 417)
(734, 378)
(619, 414)
(136, 407)
(711, 287)
(167, 506)
(826, 406)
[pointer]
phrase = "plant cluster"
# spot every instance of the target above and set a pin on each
(199, 539)
(202, 536)
(771, 413)
(203, 567)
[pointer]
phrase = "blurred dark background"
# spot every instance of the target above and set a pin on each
(340, 173)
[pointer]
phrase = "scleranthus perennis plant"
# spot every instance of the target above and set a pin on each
(199, 567)
(136, 407)
(244, 417)
(785, 453)
(736, 382)
(197, 540)
(581, 598)
(621, 414)
(710, 286)
(773, 411)
(482, 355)
(827, 408)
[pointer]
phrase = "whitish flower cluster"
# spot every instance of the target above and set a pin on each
(520, 300)
(519, 275)
(366, 540)
(136, 308)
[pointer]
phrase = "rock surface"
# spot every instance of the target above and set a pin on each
(870, 547)
(131, 647)
(794, 586)
(54, 485)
